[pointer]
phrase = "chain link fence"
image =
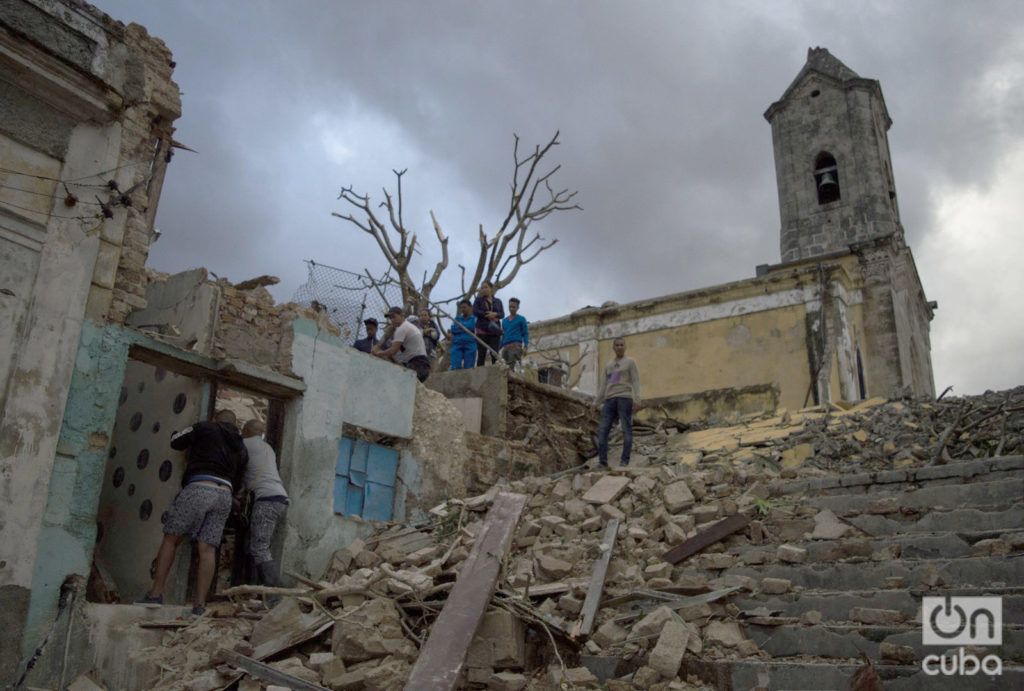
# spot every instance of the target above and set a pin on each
(348, 298)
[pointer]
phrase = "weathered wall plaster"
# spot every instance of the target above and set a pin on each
(342, 386)
(490, 384)
(68, 532)
(719, 405)
(96, 96)
(182, 308)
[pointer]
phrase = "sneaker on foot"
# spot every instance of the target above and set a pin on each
(602, 464)
(198, 610)
(150, 600)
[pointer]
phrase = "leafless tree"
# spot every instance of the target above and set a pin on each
(502, 254)
(572, 368)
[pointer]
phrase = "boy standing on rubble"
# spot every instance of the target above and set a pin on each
(217, 459)
(618, 396)
(270, 500)
(515, 335)
(463, 352)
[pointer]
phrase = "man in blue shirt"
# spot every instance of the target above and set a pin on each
(366, 344)
(463, 351)
(515, 335)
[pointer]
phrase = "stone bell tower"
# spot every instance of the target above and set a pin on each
(832, 161)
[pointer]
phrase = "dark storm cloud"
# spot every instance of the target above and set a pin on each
(659, 104)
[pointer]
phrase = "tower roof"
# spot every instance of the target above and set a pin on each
(822, 62)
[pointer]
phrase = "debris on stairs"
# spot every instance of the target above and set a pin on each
(787, 551)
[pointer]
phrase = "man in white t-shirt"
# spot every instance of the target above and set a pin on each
(270, 501)
(407, 347)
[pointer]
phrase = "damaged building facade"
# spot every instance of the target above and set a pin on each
(842, 317)
(87, 108)
(102, 360)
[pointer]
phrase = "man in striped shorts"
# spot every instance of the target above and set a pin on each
(271, 500)
(216, 462)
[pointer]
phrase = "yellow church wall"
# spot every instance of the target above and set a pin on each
(759, 348)
(748, 335)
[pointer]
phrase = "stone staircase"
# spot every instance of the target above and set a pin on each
(898, 535)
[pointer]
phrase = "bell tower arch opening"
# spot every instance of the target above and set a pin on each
(834, 122)
(826, 178)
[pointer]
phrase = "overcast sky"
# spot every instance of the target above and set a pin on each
(660, 108)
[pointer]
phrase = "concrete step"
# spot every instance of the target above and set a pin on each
(970, 520)
(950, 573)
(1003, 493)
(943, 545)
(835, 606)
(985, 469)
(846, 641)
(743, 674)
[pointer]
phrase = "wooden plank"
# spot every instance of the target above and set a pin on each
(676, 604)
(718, 531)
(287, 641)
(596, 589)
(293, 638)
(164, 624)
(266, 672)
(443, 655)
(549, 589)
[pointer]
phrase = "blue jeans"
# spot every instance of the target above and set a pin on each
(620, 407)
(463, 355)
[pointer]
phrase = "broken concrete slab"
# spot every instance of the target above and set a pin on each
(827, 526)
(607, 489)
(791, 554)
(668, 652)
(677, 497)
(371, 630)
(724, 633)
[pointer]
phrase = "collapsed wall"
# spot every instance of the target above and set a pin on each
(800, 580)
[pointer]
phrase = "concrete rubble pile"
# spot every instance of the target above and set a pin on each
(703, 543)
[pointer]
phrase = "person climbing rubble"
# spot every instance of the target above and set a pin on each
(270, 501)
(216, 464)
(618, 397)
(407, 347)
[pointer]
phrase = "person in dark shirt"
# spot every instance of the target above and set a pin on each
(366, 344)
(216, 464)
(488, 312)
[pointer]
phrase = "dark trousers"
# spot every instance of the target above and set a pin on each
(492, 341)
(621, 408)
(421, 366)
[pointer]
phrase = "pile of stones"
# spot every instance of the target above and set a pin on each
(840, 535)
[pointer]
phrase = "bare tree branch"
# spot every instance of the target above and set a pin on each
(501, 256)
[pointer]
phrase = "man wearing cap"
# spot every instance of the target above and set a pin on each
(407, 347)
(366, 344)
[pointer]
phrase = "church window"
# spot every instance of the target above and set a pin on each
(826, 178)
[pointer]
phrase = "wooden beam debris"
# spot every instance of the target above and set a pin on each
(596, 589)
(442, 657)
(266, 672)
(718, 531)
